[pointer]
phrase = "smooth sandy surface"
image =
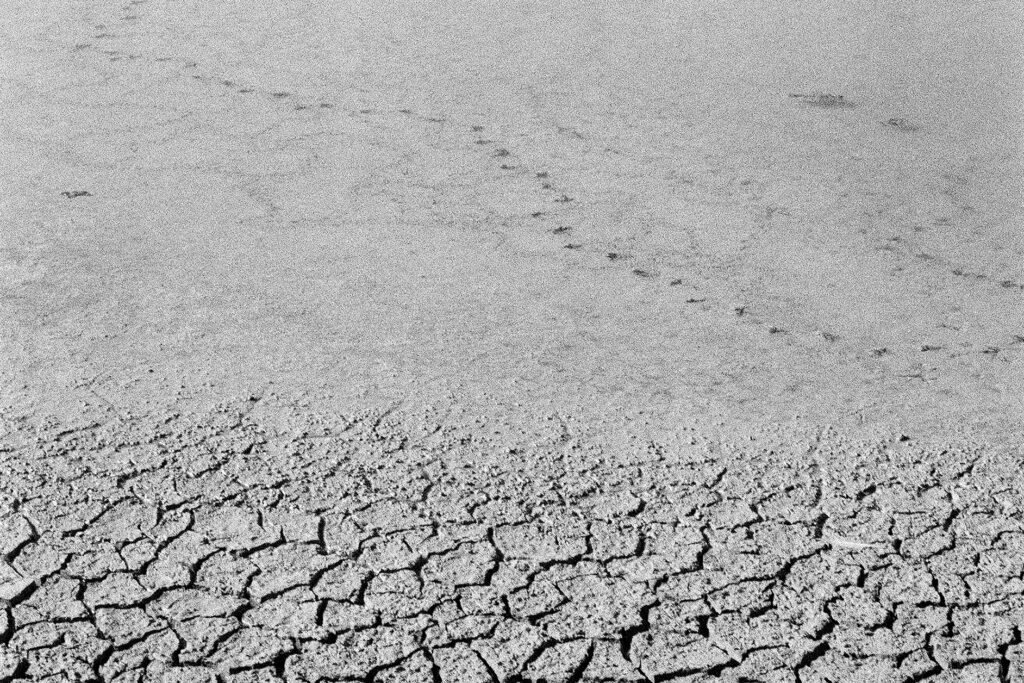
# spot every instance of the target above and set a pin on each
(511, 341)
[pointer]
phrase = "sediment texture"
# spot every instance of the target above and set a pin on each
(315, 548)
(469, 342)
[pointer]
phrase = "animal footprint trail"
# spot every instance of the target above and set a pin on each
(244, 89)
(546, 185)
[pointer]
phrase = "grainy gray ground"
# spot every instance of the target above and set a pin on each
(511, 342)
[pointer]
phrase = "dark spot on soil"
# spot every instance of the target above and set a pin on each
(542, 174)
(536, 214)
(613, 255)
(561, 229)
(640, 272)
(280, 94)
(564, 199)
(930, 347)
(506, 167)
(74, 194)
(695, 300)
(246, 90)
(879, 352)
(573, 246)
(675, 282)
(476, 129)
(502, 152)
(901, 124)
(823, 100)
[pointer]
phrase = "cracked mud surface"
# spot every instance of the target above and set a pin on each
(362, 548)
(486, 343)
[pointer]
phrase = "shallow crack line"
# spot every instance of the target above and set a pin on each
(487, 665)
(34, 536)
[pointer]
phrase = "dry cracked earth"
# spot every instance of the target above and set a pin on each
(505, 342)
(357, 548)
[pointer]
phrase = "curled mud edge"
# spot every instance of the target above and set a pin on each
(226, 547)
